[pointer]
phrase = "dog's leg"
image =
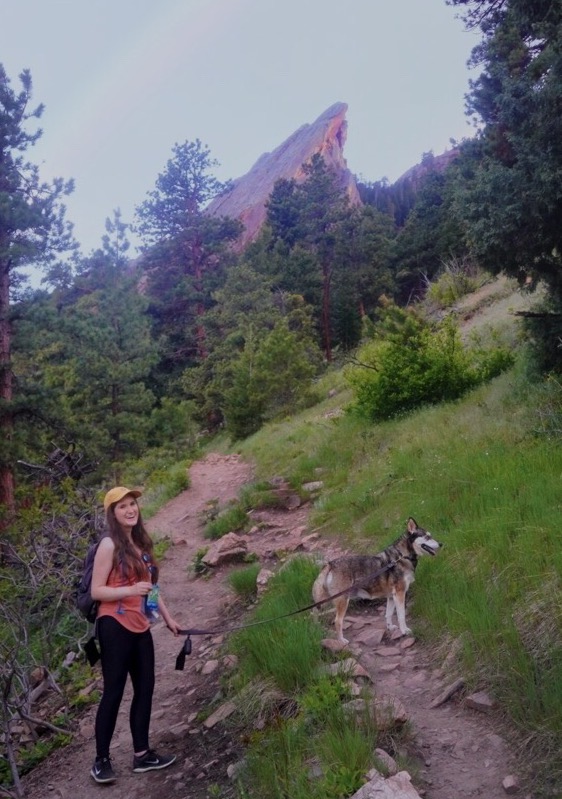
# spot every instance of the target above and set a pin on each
(319, 591)
(400, 603)
(341, 604)
(390, 607)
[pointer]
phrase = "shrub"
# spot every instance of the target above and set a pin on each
(258, 495)
(270, 378)
(412, 362)
(544, 330)
(457, 279)
(549, 407)
(164, 484)
(172, 425)
(199, 566)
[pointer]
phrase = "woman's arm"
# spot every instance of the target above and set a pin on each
(171, 623)
(103, 564)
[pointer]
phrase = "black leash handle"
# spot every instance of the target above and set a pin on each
(186, 649)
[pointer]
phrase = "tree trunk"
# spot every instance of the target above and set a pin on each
(326, 300)
(6, 393)
(200, 333)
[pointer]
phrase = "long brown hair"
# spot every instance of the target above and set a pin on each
(125, 556)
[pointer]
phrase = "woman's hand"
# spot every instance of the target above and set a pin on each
(141, 588)
(173, 626)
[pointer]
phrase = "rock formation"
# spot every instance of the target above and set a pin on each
(248, 194)
(429, 163)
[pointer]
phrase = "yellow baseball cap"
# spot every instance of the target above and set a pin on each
(117, 493)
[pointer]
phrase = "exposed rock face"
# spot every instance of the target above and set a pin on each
(249, 193)
(430, 163)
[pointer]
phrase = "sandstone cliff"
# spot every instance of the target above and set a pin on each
(247, 197)
(429, 163)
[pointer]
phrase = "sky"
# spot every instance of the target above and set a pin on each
(122, 81)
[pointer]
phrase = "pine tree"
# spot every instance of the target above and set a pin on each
(302, 220)
(184, 252)
(511, 203)
(33, 231)
(364, 239)
(103, 369)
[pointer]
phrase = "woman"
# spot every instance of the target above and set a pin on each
(124, 573)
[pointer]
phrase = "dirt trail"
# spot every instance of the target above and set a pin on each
(459, 753)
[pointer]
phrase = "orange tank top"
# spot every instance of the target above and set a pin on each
(127, 611)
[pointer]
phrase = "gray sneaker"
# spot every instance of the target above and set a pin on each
(102, 770)
(151, 761)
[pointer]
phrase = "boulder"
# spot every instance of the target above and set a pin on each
(398, 786)
(228, 548)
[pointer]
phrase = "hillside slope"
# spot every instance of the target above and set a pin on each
(451, 749)
(459, 751)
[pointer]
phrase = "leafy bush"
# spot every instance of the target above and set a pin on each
(280, 679)
(163, 484)
(172, 425)
(162, 473)
(199, 566)
(489, 358)
(412, 362)
(270, 378)
(457, 279)
(327, 692)
(260, 495)
(235, 516)
(544, 330)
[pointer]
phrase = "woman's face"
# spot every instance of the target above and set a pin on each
(126, 512)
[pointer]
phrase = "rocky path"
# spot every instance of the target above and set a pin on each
(458, 752)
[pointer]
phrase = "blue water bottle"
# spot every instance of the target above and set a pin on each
(151, 603)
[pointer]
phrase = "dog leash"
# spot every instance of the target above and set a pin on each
(186, 648)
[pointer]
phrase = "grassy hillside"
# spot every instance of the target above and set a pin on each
(486, 479)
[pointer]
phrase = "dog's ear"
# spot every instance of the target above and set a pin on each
(412, 525)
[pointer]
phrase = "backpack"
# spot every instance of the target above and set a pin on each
(87, 606)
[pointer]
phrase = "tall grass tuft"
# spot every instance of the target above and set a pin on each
(285, 650)
(243, 581)
(230, 520)
(277, 764)
(321, 751)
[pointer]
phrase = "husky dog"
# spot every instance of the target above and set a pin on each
(387, 574)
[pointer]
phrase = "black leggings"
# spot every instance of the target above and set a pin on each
(123, 653)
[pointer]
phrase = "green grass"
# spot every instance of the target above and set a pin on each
(475, 473)
(160, 479)
(327, 760)
(285, 651)
(309, 745)
(243, 581)
(230, 520)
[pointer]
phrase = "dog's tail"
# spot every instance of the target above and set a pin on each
(319, 589)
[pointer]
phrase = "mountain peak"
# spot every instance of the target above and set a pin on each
(248, 194)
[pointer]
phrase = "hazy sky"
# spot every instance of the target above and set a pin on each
(124, 80)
